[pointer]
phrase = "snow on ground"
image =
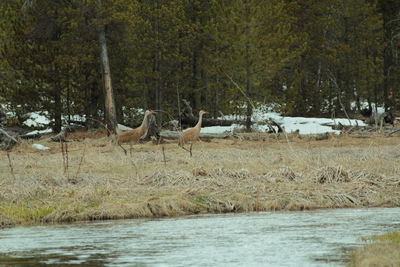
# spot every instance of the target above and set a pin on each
(40, 147)
(36, 120)
(45, 131)
(290, 124)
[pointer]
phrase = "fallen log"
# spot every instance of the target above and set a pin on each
(270, 123)
(62, 135)
(7, 141)
(31, 136)
(173, 135)
(190, 122)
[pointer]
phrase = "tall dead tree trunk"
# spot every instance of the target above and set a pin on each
(109, 105)
(158, 64)
(249, 108)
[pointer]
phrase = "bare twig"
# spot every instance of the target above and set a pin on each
(333, 79)
(288, 142)
(247, 97)
(10, 165)
(66, 156)
(170, 117)
(241, 90)
(8, 136)
(179, 108)
(64, 153)
(103, 124)
(163, 152)
(136, 168)
(80, 163)
(395, 131)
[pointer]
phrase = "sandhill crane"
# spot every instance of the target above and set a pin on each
(132, 136)
(191, 135)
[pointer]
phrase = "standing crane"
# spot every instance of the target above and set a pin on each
(191, 135)
(133, 136)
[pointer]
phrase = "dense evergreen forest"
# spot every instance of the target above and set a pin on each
(308, 57)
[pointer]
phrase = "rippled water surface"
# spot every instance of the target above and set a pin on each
(311, 238)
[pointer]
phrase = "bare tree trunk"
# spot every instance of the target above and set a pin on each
(216, 100)
(249, 108)
(157, 67)
(57, 109)
(109, 112)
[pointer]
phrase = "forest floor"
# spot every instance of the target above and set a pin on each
(93, 179)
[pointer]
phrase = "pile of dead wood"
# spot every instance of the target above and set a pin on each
(11, 136)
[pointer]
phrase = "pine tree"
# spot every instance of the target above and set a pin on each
(262, 44)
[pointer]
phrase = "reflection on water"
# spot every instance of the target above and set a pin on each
(311, 238)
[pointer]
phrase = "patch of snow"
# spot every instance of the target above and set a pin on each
(40, 147)
(6, 109)
(364, 104)
(123, 127)
(45, 131)
(75, 117)
(314, 125)
(290, 124)
(36, 120)
(128, 112)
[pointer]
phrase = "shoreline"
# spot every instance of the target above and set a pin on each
(160, 208)
(378, 250)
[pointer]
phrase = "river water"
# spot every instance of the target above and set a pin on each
(308, 238)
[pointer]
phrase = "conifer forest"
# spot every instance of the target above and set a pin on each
(105, 59)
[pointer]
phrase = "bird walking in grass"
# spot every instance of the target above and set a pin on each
(133, 136)
(191, 135)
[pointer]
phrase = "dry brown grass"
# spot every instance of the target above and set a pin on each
(268, 173)
(384, 250)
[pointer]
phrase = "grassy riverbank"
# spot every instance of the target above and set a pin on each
(383, 250)
(95, 180)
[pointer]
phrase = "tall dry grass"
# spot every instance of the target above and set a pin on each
(268, 173)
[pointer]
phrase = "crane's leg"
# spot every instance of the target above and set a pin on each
(122, 148)
(188, 150)
(184, 148)
(130, 150)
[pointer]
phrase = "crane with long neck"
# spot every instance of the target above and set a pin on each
(191, 135)
(133, 136)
